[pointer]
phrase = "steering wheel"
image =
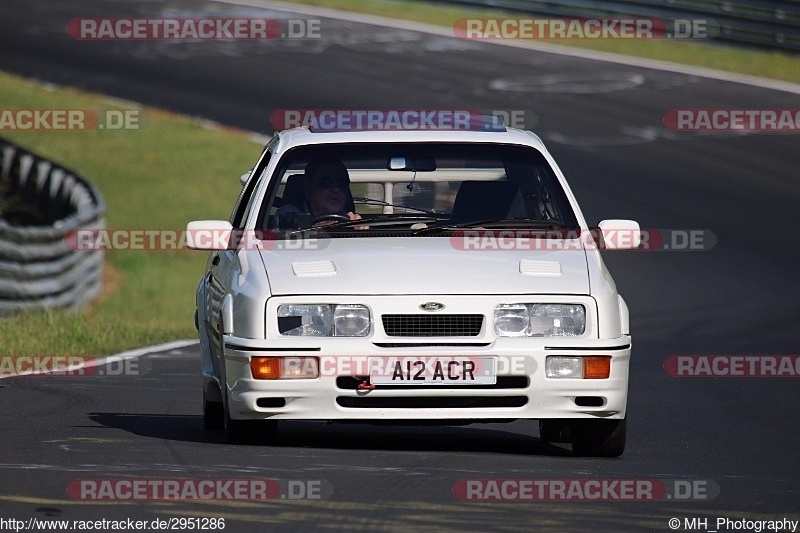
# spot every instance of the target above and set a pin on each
(328, 218)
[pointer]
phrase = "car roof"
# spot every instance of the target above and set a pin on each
(302, 136)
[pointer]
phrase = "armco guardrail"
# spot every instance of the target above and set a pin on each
(40, 203)
(764, 23)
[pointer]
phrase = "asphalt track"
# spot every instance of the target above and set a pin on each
(603, 122)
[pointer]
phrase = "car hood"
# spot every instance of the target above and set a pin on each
(422, 265)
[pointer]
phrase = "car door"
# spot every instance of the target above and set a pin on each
(224, 264)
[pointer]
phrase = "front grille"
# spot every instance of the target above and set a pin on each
(431, 402)
(429, 343)
(432, 325)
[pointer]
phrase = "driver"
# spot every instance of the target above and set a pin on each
(327, 189)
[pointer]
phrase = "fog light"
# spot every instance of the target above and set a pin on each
(300, 367)
(564, 367)
(284, 367)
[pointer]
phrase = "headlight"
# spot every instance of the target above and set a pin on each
(557, 320)
(350, 321)
(308, 320)
(323, 320)
(539, 320)
(511, 320)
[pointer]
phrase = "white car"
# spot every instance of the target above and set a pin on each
(413, 276)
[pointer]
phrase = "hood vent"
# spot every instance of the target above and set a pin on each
(314, 269)
(531, 267)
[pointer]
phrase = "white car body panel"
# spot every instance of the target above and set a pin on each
(394, 266)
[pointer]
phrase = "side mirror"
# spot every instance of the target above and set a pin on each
(620, 234)
(212, 235)
(243, 177)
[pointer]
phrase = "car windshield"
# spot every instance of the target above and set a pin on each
(413, 189)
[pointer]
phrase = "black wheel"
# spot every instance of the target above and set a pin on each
(554, 430)
(598, 438)
(247, 431)
(235, 430)
(213, 415)
(241, 431)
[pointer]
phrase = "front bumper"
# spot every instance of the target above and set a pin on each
(522, 390)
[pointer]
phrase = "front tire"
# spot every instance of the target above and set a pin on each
(235, 430)
(247, 431)
(554, 430)
(213, 415)
(241, 431)
(598, 438)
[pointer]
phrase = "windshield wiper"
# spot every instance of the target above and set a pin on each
(496, 223)
(374, 201)
(369, 223)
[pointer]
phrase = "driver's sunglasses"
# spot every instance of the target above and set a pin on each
(331, 182)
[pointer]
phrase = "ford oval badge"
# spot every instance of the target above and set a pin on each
(431, 306)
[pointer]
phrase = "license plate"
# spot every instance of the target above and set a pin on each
(448, 371)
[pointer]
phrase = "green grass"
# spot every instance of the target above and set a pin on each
(766, 64)
(159, 177)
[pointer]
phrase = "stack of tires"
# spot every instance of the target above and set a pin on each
(41, 206)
